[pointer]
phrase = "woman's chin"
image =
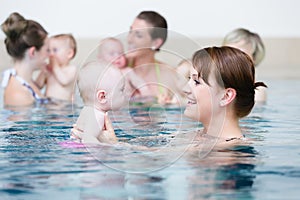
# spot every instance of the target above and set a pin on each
(187, 113)
(190, 113)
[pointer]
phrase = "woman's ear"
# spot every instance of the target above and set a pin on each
(31, 52)
(228, 97)
(101, 96)
(156, 43)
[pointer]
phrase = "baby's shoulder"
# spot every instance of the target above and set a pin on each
(126, 70)
(72, 66)
(71, 69)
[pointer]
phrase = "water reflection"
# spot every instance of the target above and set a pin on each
(32, 145)
(225, 173)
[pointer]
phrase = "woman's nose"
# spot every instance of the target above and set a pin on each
(129, 37)
(187, 88)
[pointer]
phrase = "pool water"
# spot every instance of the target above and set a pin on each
(39, 161)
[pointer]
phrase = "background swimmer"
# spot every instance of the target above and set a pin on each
(111, 50)
(252, 44)
(27, 43)
(147, 34)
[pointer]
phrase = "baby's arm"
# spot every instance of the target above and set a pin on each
(41, 78)
(64, 75)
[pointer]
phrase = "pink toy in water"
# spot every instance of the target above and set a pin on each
(71, 144)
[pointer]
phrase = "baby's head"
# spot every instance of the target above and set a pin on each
(111, 50)
(63, 48)
(101, 86)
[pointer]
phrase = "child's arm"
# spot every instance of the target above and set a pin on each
(64, 75)
(41, 79)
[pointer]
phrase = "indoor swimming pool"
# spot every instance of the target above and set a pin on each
(39, 161)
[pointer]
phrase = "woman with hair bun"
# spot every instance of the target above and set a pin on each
(26, 43)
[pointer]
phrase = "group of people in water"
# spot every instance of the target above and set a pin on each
(220, 81)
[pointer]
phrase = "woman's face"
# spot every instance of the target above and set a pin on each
(42, 55)
(203, 99)
(139, 38)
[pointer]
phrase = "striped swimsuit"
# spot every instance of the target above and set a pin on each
(12, 72)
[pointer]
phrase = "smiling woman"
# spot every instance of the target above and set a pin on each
(147, 34)
(221, 91)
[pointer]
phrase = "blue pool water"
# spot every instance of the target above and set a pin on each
(38, 161)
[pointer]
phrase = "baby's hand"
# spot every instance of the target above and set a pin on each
(48, 69)
(76, 133)
(164, 99)
(108, 131)
(53, 62)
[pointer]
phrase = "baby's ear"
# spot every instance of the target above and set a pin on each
(71, 54)
(101, 96)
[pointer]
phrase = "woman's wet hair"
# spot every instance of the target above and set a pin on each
(232, 68)
(159, 23)
(22, 34)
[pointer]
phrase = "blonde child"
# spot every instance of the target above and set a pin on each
(111, 51)
(101, 89)
(59, 76)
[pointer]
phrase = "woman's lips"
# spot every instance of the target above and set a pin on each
(191, 101)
